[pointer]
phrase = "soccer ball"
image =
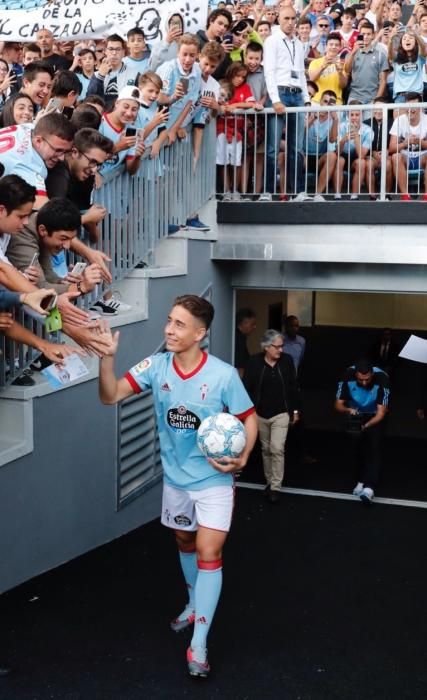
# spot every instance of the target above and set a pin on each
(221, 435)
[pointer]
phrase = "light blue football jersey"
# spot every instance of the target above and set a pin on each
(182, 402)
(106, 128)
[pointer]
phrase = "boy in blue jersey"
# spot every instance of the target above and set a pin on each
(189, 385)
(139, 53)
(181, 85)
(363, 395)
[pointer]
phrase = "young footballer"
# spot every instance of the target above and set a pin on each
(189, 385)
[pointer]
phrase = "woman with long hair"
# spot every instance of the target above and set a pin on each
(408, 62)
(19, 109)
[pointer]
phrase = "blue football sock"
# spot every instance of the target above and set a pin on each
(207, 592)
(189, 568)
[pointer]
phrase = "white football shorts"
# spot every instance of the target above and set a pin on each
(186, 510)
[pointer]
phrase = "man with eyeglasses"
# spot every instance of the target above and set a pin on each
(112, 74)
(270, 380)
(287, 87)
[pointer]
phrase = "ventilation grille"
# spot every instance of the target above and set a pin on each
(138, 459)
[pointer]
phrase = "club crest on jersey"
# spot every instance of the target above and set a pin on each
(142, 366)
(182, 420)
(203, 391)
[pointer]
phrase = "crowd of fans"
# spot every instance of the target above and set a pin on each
(74, 114)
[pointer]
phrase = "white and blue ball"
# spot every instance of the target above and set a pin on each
(221, 435)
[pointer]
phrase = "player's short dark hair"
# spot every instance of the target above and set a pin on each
(55, 124)
(59, 214)
(85, 116)
(198, 307)
(136, 31)
(243, 314)
(14, 192)
(66, 81)
(363, 366)
(254, 46)
(85, 139)
(32, 70)
(219, 13)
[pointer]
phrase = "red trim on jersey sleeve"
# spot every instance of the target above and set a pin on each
(242, 416)
(41, 193)
(130, 157)
(135, 386)
(118, 131)
(209, 565)
(194, 371)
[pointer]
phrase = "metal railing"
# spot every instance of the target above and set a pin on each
(165, 191)
(323, 152)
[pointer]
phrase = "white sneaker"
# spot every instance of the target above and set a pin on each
(337, 196)
(122, 306)
(319, 198)
(227, 197)
(358, 489)
(367, 495)
(354, 197)
(302, 197)
(265, 197)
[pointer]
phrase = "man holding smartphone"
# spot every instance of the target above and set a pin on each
(367, 65)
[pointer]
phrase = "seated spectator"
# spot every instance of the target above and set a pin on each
(7, 82)
(45, 41)
(312, 89)
(37, 82)
(367, 67)
(126, 150)
(354, 148)
(322, 134)
(375, 122)
(138, 51)
(167, 48)
(181, 85)
(30, 54)
(231, 131)
(66, 87)
(408, 61)
(84, 67)
(328, 72)
(19, 109)
(408, 145)
(347, 31)
(112, 74)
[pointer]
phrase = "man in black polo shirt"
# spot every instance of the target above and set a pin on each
(270, 380)
(363, 396)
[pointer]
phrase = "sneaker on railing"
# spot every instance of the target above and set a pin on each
(175, 228)
(106, 308)
(194, 224)
(319, 198)
(424, 197)
(405, 198)
(302, 197)
(116, 298)
(265, 197)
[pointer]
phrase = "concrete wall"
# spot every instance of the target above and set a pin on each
(60, 500)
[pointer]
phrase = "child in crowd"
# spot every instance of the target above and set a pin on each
(375, 122)
(231, 130)
(256, 137)
(138, 51)
(152, 117)
(84, 66)
(19, 109)
(211, 56)
(347, 32)
(264, 30)
(408, 61)
(181, 85)
(30, 53)
(113, 125)
(303, 32)
(321, 138)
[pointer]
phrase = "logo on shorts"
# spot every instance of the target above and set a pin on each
(182, 520)
(165, 387)
(183, 420)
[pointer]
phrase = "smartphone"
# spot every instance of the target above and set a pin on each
(163, 108)
(54, 103)
(34, 260)
(49, 302)
(175, 24)
(344, 53)
(78, 269)
(184, 82)
(130, 131)
(228, 38)
(360, 38)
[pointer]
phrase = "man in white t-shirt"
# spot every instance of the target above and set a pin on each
(408, 145)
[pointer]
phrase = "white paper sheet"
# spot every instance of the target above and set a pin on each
(73, 368)
(415, 349)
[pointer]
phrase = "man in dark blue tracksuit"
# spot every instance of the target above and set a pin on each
(363, 395)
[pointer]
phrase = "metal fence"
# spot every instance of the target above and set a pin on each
(331, 152)
(165, 191)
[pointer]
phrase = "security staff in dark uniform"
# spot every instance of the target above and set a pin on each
(271, 383)
(363, 395)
